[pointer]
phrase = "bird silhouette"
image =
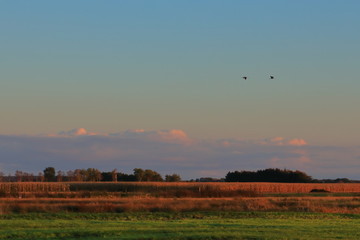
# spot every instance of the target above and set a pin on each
(244, 78)
(271, 77)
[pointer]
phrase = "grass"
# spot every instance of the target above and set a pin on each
(264, 211)
(215, 188)
(187, 225)
(177, 189)
(328, 204)
(175, 197)
(336, 194)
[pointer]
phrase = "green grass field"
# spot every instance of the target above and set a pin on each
(191, 225)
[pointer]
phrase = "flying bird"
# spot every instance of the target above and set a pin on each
(244, 78)
(271, 77)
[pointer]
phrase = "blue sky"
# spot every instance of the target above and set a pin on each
(111, 66)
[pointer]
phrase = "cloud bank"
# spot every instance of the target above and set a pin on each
(173, 151)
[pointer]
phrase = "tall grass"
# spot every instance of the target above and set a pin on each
(164, 189)
(156, 189)
(151, 187)
(149, 196)
(34, 187)
(326, 205)
(18, 189)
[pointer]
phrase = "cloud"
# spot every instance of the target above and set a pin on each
(173, 135)
(297, 142)
(280, 141)
(169, 151)
(277, 140)
(75, 132)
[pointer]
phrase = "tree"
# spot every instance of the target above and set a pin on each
(59, 176)
(269, 175)
(19, 176)
(139, 174)
(70, 176)
(152, 176)
(41, 176)
(93, 175)
(1, 176)
(114, 175)
(78, 177)
(27, 177)
(106, 176)
(83, 174)
(147, 175)
(126, 177)
(173, 178)
(49, 174)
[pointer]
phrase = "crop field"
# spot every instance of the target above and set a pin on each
(168, 186)
(179, 211)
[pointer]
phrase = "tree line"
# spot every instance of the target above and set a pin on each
(269, 175)
(279, 175)
(49, 174)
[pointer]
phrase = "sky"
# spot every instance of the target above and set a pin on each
(158, 84)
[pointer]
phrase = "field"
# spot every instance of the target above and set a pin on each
(193, 225)
(179, 211)
(123, 197)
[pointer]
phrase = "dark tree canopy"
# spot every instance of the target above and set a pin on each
(126, 177)
(269, 175)
(172, 178)
(49, 174)
(147, 175)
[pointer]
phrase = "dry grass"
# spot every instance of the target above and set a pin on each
(151, 187)
(224, 187)
(125, 196)
(34, 187)
(164, 189)
(332, 205)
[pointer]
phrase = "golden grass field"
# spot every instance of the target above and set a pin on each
(183, 196)
(150, 186)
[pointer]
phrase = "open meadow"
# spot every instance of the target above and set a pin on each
(188, 225)
(179, 211)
